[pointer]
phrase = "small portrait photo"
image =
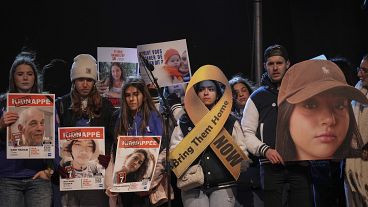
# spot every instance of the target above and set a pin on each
(112, 76)
(134, 165)
(80, 158)
(176, 65)
(33, 127)
(315, 116)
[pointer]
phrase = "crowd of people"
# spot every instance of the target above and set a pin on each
(303, 130)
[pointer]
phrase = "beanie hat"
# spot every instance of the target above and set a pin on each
(169, 53)
(311, 77)
(276, 50)
(84, 66)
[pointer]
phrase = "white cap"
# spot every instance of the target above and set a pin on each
(84, 66)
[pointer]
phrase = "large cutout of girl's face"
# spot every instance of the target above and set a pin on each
(318, 126)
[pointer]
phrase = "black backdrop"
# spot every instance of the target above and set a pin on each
(218, 32)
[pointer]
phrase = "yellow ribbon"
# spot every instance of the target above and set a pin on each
(208, 128)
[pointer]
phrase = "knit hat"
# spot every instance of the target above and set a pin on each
(276, 50)
(84, 66)
(311, 77)
(169, 53)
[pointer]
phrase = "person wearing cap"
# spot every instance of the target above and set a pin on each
(316, 120)
(23, 182)
(356, 180)
(84, 107)
(282, 182)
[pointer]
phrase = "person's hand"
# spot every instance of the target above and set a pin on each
(273, 156)
(104, 160)
(111, 194)
(8, 118)
(43, 174)
(63, 172)
(143, 193)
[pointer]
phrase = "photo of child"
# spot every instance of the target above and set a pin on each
(172, 64)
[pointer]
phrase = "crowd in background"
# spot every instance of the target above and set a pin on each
(266, 178)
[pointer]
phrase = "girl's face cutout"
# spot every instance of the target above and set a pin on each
(319, 125)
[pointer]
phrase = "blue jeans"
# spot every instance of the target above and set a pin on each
(25, 192)
(95, 198)
(198, 198)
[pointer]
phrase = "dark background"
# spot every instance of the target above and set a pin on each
(218, 32)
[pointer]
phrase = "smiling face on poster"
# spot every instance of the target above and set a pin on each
(114, 65)
(170, 61)
(315, 117)
(32, 136)
(80, 148)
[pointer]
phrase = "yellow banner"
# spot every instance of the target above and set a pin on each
(208, 127)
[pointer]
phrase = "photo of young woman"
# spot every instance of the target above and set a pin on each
(136, 167)
(315, 119)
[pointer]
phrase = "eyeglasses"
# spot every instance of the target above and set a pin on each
(364, 70)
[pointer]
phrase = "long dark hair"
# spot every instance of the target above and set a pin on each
(126, 115)
(94, 103)
(122, 76)
(26, 58)
(239, 79)
(139, 174)
(285, 142)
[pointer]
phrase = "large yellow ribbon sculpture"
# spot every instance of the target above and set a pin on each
(208, 128)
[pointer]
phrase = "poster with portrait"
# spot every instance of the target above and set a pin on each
(114, 65)
(79, 148)
(135, 162)
(315, 119)
(170, 60)
(32, 136)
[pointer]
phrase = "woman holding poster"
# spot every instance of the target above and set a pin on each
(315, 119)
(85, 107)
(22, 182)
(137, 116)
